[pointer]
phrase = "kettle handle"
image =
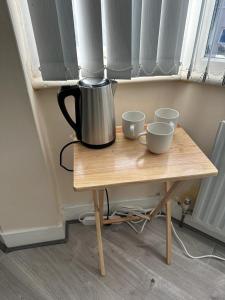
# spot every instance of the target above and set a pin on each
(75, 92)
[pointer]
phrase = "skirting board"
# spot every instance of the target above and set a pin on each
(45, 236)
(30, 236)
(74, 211)
(55, 234)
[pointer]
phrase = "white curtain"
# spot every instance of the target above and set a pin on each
(127, 38)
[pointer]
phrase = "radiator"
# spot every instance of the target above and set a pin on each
(209, 211)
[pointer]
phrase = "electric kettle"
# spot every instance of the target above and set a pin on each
(94, 111)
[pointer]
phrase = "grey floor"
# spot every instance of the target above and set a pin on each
(134, 263)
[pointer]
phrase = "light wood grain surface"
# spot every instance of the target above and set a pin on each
(128, 161)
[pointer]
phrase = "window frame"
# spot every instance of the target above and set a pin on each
(217, 65)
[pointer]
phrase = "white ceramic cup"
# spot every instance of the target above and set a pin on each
(159, 137)
(133, 123)
(167, 115)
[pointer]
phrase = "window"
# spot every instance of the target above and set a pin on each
(207, 61)
(216, 39)
(124, 39)
(222, 36)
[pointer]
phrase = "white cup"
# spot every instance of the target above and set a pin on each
(133, 123)
(167, 115)
(159, 137)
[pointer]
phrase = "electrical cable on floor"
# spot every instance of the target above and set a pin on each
(61, 155)
(179, 240)
(188, 254)
(135, 211)
(107, 200)
(124, 211)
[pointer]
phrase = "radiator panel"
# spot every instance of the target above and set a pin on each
(209, 212)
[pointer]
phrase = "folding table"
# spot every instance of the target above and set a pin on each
(129, 162)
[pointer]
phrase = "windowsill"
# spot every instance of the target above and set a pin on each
(38, 83)
(197, 78)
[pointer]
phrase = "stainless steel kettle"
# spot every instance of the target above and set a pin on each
(94, 111)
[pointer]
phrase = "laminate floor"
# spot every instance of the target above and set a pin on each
(134, 263)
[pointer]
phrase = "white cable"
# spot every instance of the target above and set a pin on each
(86, 214)
(134, 228)
(136, 211)
(132, 209)
(185, 249)
(188, 254)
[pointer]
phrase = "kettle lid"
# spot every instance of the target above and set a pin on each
(93, 82)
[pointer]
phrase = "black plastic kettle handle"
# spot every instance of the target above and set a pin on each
(65, 92)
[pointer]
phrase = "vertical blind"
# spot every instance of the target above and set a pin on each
(127, 38)
(52, 22)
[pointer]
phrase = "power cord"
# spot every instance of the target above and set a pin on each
(61, 155)
(125, 211)
(188, 254)
(137, 211)
(178, 239)
(107, 200)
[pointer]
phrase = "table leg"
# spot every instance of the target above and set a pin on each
(166, 202)
(98, 232)
(168, 229)
(101, 205)
(163, 202)
(168, 233)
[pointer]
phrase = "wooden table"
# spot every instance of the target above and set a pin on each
(128, 162)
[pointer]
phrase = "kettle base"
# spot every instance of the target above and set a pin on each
(98, 146)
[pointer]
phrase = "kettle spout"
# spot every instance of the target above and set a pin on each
(114, 84)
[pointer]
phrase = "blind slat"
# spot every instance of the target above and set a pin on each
(117, 22)
(151, 11)
(67, 33)
(89, 32)
(136, 31)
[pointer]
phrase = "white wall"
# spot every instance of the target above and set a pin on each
(27, 200)
(202, 108)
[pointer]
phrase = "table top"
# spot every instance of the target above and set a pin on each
(128, 161)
